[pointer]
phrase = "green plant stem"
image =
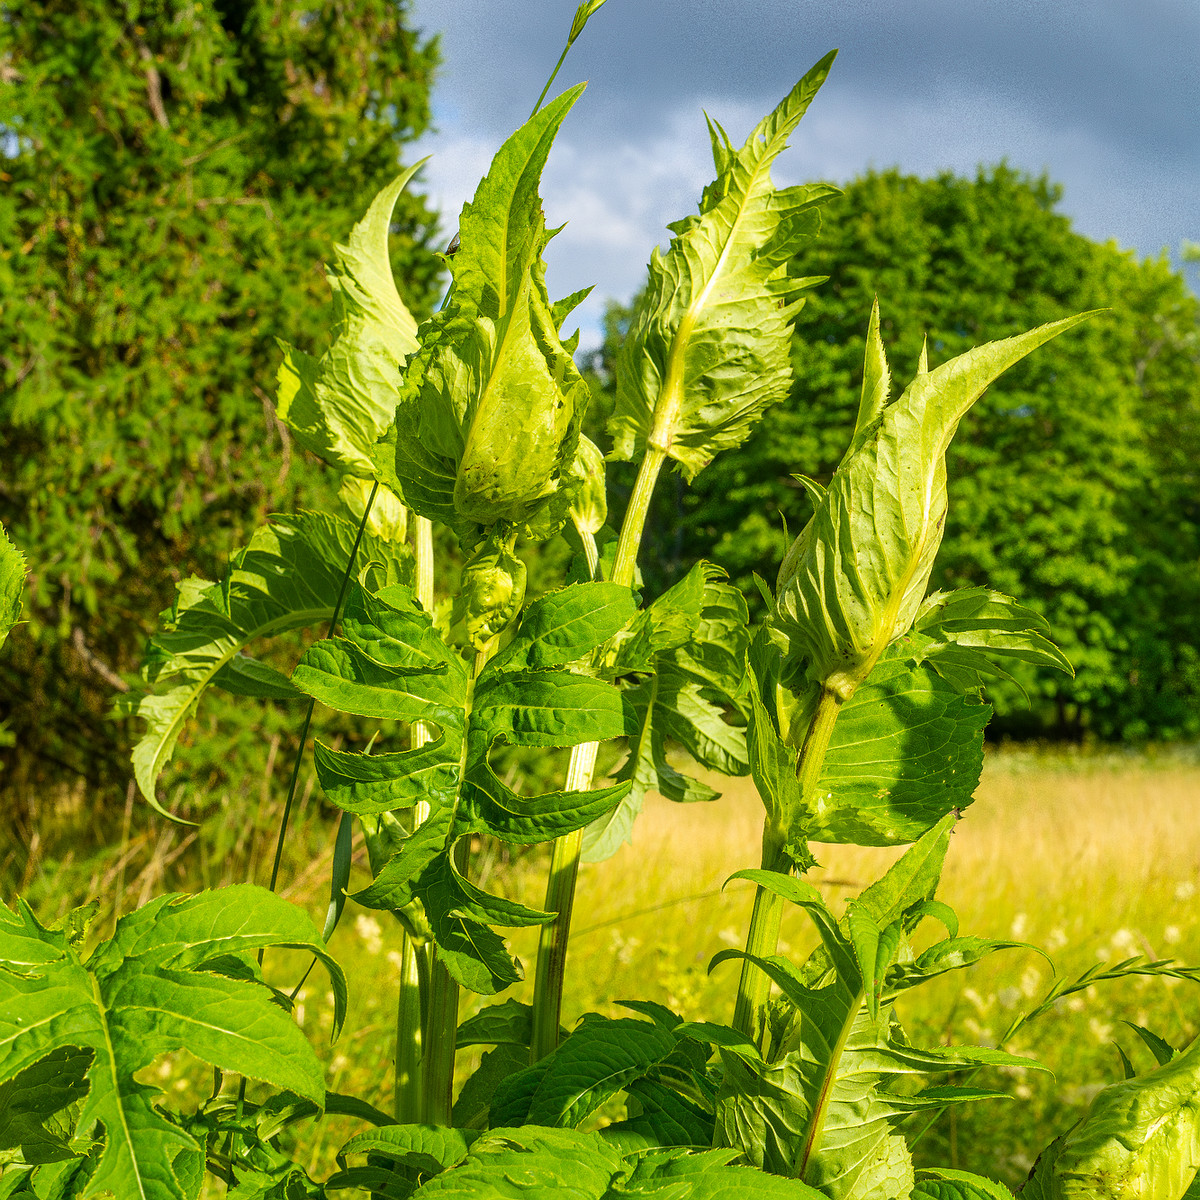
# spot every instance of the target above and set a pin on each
(634, 524)
(413, 1003)
(287, 806)
(441, 1008)
(762, 939)
(410, 1025)
(553, 75)
(564, 857)
(560, 899)
(441, 1024)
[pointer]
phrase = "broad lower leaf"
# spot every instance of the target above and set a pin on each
(426, 1148)
(177, 974)
(289, 577)
(907, 749)
(709, 343)
(337, 406)
(708, 1176)
(532, 1164)
(598, 1060)
(12, 583)
(857, 576)
(488, 424)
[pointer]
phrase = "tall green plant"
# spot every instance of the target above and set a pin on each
(856, 706)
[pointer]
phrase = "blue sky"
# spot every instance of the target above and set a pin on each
(1103, 95)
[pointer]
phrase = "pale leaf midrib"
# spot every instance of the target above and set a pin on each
(670, 398)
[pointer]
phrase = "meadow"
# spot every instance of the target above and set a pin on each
(1093, 857)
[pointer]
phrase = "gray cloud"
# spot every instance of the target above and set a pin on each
(1103, 95)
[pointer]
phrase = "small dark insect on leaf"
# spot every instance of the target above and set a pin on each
(454, 243)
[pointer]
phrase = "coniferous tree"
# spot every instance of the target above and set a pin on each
(174, 175)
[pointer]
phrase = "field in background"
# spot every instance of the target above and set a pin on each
(1094, 859)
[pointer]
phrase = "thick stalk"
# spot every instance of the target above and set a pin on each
(762, 940)
(564, 857)
(409, 1029)
(441, 1009)
(408, 1097)
(441, 1026)
(560, 899)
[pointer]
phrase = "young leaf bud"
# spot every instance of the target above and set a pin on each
(493, 588)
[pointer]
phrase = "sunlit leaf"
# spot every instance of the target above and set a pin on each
(709, 343)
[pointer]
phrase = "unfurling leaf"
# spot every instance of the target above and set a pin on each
(491, 406)
(709, 343)
(179, 973)
(493, 588)
(857, 577)
(337, 406)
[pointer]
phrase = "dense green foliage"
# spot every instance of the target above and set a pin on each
(175, 174)
(855, 704)
(1090, 449)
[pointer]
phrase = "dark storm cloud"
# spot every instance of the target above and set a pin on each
(1102, 95)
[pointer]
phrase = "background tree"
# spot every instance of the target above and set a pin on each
(174, 176)
(1074, 480)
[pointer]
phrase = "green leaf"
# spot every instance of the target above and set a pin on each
(1140, 1137)
(162, 983)
(12, 583)
(1162, 1050)
(708, 346)
(561, 627)
(473, 1106)
(962, 634)
(426, 1148)
(945, 1183)
(666, 1118)
(339, 876)
(597, 1061)
(376, 783)
(339, 405)
(532, 1164)
(538, 709)
(708, 1176)
(288, 577)
(907, 749)
(693, 639)
(860, 569)
(32, 1104)
(491, 406)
